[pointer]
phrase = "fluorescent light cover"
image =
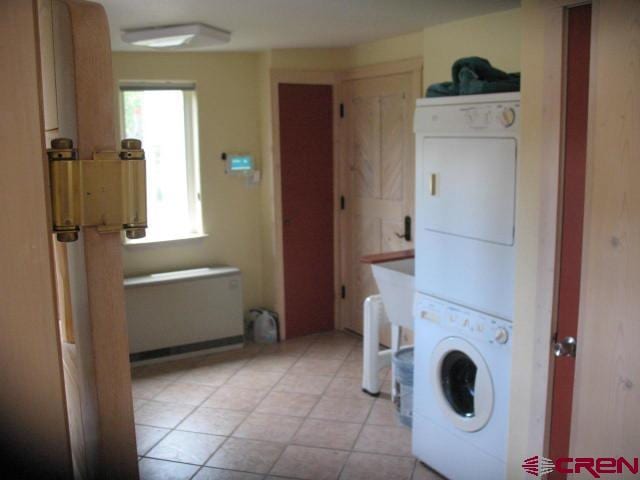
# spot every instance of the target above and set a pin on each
(194, 35)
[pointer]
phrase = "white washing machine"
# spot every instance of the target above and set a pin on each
(466, 165)
(461, 390)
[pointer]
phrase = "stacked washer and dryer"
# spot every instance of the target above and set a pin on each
(466, 150)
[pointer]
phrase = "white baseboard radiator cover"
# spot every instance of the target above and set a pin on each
(176, 313)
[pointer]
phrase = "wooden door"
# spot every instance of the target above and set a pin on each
(306, 153)
(77, 92)
(34, 437)
(572, 208)
(379, 145)
(606, 406)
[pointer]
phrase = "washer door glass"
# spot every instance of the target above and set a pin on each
(458, 378)
(462, 383)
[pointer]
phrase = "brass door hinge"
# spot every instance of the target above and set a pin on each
(108, 192)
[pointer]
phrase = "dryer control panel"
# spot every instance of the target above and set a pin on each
(463, 321)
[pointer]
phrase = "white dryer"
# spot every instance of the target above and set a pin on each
(466, 165)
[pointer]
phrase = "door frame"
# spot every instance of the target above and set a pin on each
(412, 66)
(299, 77)
(550, 214)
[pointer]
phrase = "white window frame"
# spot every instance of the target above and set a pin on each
(192, 156)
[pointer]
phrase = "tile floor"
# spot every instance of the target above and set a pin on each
(293, 410)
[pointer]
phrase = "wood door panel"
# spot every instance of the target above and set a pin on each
(606, 407)
(379, 149)
(366, 152)
(393, 125)
(34, 433)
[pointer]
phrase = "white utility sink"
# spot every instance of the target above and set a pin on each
(396, 282)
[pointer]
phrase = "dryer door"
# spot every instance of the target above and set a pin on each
(462, 383)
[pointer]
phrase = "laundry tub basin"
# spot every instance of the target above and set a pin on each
(396, 283)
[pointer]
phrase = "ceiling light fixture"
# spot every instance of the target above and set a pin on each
(192, 35)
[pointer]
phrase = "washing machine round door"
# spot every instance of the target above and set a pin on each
(462, 383)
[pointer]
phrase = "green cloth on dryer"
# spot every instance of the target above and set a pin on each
(475, 76)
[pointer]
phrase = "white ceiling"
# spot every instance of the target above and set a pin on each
(266, 24)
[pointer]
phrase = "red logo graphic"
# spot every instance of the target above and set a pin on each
(539, 466)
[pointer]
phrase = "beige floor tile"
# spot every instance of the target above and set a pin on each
(138, 402)
(273, 428)
(147, 388)
(353, 410)
(383, 413)
(161, 414)
(232, 361)
(328, 351)
(254, 380)
(346, 387)
(315, 366)
(217, 474)
(368, 466)
(350, 369)
(214, 421)
(152, 469)
(186, 447)
(321, 433)
(185, 393)
(310, 463)
(423, 473)
(147, 437)
(246, 455)
(210, 375)
(163, 371)
(295, 347)
(309, 384)
(273, 362)
(287, 403)
(234, 398)
(386, 440)
(356, 356)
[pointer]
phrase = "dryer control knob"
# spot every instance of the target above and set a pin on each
(508, 117)
(501, 335)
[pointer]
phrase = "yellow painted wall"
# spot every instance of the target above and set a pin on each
(387, 50)
(235, 114)
(229, 120)
(309, 59)
(495, 37)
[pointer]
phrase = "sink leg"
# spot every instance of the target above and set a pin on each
(370, 344)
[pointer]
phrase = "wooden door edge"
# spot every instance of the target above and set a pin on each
(104, 347)
(540, 367)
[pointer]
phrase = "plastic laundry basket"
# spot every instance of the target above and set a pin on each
(403, 371)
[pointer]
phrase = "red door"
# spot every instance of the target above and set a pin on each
(577, 109)
(306, 152)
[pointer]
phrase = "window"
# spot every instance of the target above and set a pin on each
(164, 117)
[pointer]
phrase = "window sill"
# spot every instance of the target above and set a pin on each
(162, 241)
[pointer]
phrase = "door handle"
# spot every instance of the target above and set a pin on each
(407, 229)
(565, 348)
